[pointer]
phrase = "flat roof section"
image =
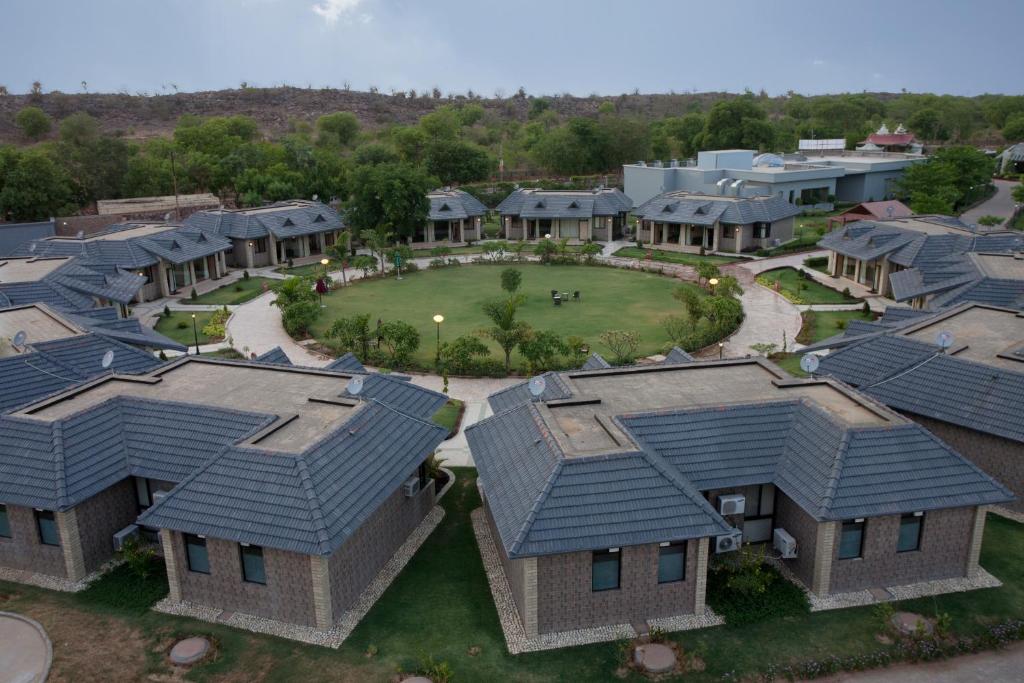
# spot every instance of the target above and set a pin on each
(307, 402)
(38, 323)
(988, 333)
(1000, 266)
(28, 269)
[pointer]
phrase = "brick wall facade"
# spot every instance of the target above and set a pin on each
(100, 517)
(354, 564)
(944, 552)
(802, 527)
(23, 551)
(287, 595)
(999, 457)
(566, 601)
(514, 569)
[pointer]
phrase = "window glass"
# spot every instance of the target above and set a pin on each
(672, 562)
(910, 533)
(197, 555)
(142, 497)
(605, 571)
(5, 523)
(851, 540)
(47, 523)
(252, 564)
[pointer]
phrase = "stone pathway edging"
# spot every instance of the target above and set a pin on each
(44, 667)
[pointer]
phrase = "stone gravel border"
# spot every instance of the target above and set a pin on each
(45, 672)
(332, 637)
(451, 480)
(687, 622)
(55, 583)
(980, 579)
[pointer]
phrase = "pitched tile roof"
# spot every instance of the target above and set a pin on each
(554, 388)
(283, 220)
(453, 205)
(534, 203)
(698, 209)
(677, 355)
(275, 356)
(595, 362)
(346, 363)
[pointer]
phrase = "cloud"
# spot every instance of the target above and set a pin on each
(331, 11)
(818, 62)
(876, 75)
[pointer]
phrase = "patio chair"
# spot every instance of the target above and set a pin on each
(556, 300)
(576, 296)
(554, 293)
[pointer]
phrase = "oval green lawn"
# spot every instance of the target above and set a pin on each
(611, 299)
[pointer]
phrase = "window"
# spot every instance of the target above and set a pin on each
(758, 515)
(910, 533)
(46, 522)
(5, 523)
(762, 231)
(672, 562)
(253, 570)
(260, 245)
(605, 570)
(851, 540)
(196, 554)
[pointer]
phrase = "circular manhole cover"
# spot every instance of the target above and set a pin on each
(189, 651)
(656, 658)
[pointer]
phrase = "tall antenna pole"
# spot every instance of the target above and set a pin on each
(174, 180)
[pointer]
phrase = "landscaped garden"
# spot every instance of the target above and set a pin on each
(610, 299)
(440, 610)
(802, 289)
(178, 326)
(819, 325)
(233, 293)
(676, 257)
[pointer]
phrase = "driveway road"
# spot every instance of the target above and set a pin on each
(1000, 204)
(1001, 666)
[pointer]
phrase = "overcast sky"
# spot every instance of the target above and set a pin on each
(552, 46)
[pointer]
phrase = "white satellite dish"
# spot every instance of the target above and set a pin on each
(80, 234)
(32, 248)
(108, 358)
(889, 211)
(944, 339)
(354, 386)
(315, 197)
(20, 337)
(809, 363)
(537, 386)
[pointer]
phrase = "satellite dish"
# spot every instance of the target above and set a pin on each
(537, 386)
(32, 248)
(315, 197)
(80, 234)
(809, 363)
(889, 211)
(20, 337)
(944, 339)
(108, 358)
(354, 386)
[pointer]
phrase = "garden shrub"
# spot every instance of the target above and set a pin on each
(167, 311)
(463, 355)
(215, 326)
(744, 589)
(245, 274)
(298, 316)
(182, 325)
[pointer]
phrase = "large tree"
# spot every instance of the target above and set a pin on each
(34, 187)
(33, 122)
(737, 123)
(390, 195)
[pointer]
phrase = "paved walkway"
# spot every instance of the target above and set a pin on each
(25, 650)
(1000, 204)
(1001, 666)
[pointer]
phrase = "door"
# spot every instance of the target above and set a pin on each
(759, 514)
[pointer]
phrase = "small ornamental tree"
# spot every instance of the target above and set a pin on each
(400, 339)
(460, 355)
(622, 343)
(506, 331)
(545, 250)
(353, 334)
(511, 279)
(541, 350)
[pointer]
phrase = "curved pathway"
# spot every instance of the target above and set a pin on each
(1000, 204)
(25, 650)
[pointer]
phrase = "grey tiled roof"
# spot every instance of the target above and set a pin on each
(177, 244)
(545, 503)
(104, 322)
(894, 315)
(875, 359)
(287, 219)
(401, 395)
(42, 292)
(677, 356)
(517, 394)
(346, 363)
(275, 356)
(454, 205)
(595, 362)
(103, 281)
(681, 207)
(558, 204)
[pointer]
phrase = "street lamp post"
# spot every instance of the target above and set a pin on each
(195, 333)
(721, 350)
(712, 283)
(438, 318)
(322, 284)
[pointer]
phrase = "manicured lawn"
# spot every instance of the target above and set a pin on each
(800, 290)
(448, 415)
(230, 354)
(310, 269)
(807, 231)
(820, 325)
(233, 293)
(169, 327)
(790, 362)
(440, 606)
(674, 256)
(611, 299)
(475, 249)
(818, 263)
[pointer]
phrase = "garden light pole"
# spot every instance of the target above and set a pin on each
(438, 318)
(721, 350)
(321, 285)
(195, 333)
(712, 283)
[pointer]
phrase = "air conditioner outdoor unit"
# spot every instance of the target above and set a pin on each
(411, 487)
(734, 504)
(130, 531)
(784, 544)
(729, 542)
(158, 496)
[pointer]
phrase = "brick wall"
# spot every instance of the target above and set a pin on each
(945, 549)
(802, 527)
(23, 550)
(565, 600)
(100, 517)
(999, 457)
(355, 563)
(287, 595)
(514, 569)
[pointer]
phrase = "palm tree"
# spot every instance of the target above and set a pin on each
(507, 331)
(340, 252)
(377, 241)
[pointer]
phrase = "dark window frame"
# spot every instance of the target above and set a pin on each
(252, 550)
(48, 515)
(860, 548)
(676, 547)
(762, 230)
(919, 519)
(618, 569)
(189, 539)
(5, 524)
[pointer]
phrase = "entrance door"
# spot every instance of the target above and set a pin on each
(759, 516)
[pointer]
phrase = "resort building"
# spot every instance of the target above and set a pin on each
(269, 235)
(606, 496)
(930, 261)
(276, 495)
(455, 216)
(900, 140)
(969, 394)
(810, 181)
(694, 223)
(576, 215)
(163, 258)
